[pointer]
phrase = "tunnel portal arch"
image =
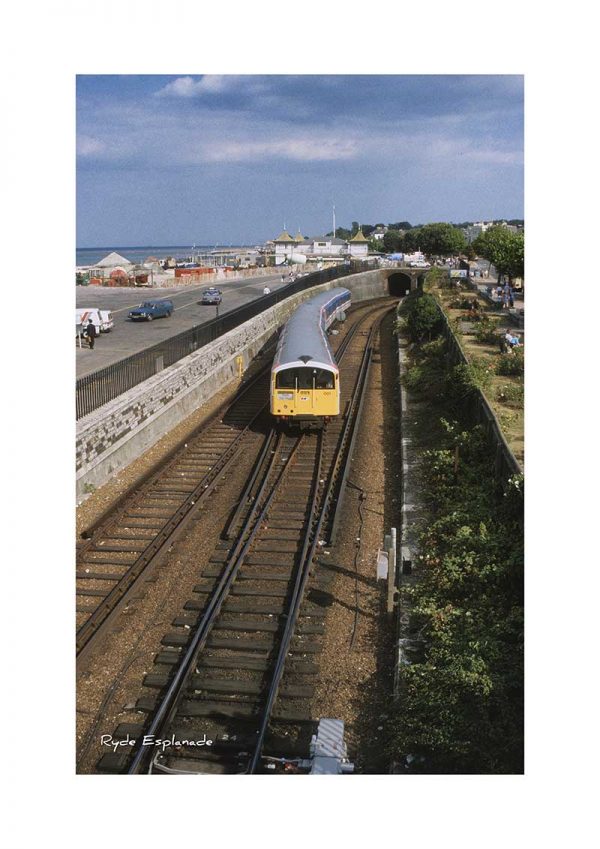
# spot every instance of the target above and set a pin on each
(399, 284)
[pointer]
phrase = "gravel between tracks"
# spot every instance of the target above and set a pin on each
(355, 678)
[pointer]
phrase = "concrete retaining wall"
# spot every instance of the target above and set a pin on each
(119, 432)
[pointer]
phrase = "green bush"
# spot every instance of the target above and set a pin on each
(487, 333)
(465, 379)
(414, 377)
(465, 302)
(511, 393)
(462, 698)
(423, 317)
(511, 363)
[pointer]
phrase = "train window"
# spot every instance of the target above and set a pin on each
(286, 379)
(304, 378)
(323, 378)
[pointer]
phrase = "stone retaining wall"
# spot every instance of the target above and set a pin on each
(482, 413)
(116, 434)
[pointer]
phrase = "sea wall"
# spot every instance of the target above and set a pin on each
(116, 434)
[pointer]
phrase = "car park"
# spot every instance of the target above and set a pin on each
(150, 310)
(211, 296)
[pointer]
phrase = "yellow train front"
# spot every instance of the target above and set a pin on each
(305, 380)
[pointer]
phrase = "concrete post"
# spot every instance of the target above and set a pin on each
(391, 588)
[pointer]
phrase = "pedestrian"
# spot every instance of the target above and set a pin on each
(511, 297)
(266, 291)
(283, 278)
(90, 332)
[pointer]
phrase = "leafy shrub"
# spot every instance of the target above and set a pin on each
(462, 698)
(426, 374)
(510, 393)
(436, 277)
(464, 302)
(472, 316)
(423, 318)
(414, 377)
(512, 363)
(464, 379)
(487, 333)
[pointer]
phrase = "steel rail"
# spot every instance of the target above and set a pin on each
(246, 536)
(308, 552)
(158, 467)
(292, 615)
(173, 527)
(339, 497)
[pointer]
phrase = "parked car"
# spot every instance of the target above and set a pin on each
(211, 296)
(418, 263)
(150, 310)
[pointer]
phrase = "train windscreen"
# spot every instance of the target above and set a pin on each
(304, 378)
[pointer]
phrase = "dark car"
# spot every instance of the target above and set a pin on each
(151, 309)
(211, 296)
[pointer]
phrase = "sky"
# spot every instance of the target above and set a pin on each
(230, 159)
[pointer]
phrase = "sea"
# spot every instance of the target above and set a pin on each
(139, 253)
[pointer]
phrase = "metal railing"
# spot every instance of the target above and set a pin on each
(96, 389)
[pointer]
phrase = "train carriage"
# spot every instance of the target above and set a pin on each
(305, 387)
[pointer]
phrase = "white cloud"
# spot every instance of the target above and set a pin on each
(208, 84)
(182, 136)
(307, 149)
(88, 146)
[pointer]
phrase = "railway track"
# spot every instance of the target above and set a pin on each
(239, 666)
(113, 557)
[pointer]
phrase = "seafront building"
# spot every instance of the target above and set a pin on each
(117, 270)
(318, 247)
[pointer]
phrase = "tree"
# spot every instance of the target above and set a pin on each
(392, 241)
(340, 233)
(441, 238)
(504, 249)
(410, 240)
(400, 225)
(424, 319)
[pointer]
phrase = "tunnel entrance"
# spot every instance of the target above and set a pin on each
(399, 284)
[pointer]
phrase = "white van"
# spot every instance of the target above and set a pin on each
(101, 319)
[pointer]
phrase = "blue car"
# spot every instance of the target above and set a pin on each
(211, 296)
(151, 309)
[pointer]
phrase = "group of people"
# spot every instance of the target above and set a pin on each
(504, 293)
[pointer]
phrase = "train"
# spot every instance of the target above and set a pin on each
(305, 380)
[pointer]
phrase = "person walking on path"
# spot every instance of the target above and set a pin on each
(90, 332)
